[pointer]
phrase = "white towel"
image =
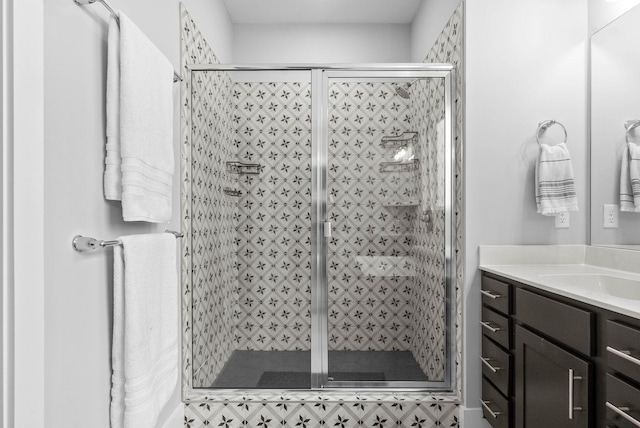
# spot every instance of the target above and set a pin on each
(630, 179)
(145, 329)
(112, 174)
(144, 125)
(627, 202)
(555, 187)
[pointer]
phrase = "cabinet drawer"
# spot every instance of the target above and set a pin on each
(623, 403)
(496, 365)
(495, 407)
(496, 327)
(569, 325)
(496, 294)
(623, 349)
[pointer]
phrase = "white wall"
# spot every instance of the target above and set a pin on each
(428, 24)
(78, 287)
(525, 62)
(213, 21)
(320, 43)
(601, 12)
(23, 282)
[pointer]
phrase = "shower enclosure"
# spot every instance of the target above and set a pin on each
(320, 222)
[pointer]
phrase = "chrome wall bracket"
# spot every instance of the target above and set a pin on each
(234, 167)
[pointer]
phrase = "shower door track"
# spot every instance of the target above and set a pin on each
(320, 226)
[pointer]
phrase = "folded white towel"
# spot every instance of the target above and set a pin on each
(145, 329)
(143, 154)
(555, 187)
(634, 173)
(627, 200)
(112, 174)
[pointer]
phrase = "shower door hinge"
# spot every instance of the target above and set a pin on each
(327, 229)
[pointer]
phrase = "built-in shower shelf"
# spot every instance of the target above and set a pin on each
(408, 166)
(397, 141)
(386, 266)
(397, 236)
(235, 167)
(408, 203)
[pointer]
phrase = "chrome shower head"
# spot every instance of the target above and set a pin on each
(402, 91)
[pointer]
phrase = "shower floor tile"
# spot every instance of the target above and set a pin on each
(258, 369)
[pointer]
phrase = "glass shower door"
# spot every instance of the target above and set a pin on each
(250, 176)
(320, 207)
(388, 195)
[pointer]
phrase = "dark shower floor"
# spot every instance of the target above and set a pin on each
(290, 369)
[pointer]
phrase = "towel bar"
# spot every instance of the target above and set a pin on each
(84, 243)
(546, 124)
(105, 3)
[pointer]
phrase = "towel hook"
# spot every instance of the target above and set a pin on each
(546, 124)
(629, 126)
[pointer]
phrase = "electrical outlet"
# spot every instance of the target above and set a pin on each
(562, 220)
(610, 216)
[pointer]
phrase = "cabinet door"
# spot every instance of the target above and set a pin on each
(552, 385)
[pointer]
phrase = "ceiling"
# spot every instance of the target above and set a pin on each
(322, 11)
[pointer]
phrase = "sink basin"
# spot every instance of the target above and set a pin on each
(604, 284)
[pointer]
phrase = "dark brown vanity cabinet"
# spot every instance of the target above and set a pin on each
(553, 362)
(496, 357)
(552, 384)
(623, 374)
(552, 369)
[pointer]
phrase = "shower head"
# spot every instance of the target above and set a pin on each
(403, 90)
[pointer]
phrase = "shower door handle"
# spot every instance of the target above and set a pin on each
(327, 229)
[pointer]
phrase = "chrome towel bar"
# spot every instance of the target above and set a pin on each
(105, 3)
(83, 243)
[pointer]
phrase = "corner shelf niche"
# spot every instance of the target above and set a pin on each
(410, 166)
(397, 141)
(399, 204)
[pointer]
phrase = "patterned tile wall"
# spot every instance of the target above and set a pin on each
(319, 410)
(428, 285)
(367, 311)
(304, 409)
(273, 122)
(448, 48)
(209, 266)
(214, 265)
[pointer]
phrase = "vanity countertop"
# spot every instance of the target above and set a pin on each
(575, 277)
(561, 280)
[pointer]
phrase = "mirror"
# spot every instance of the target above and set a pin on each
(615, 85)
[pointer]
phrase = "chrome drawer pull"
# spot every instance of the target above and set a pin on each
(572, 378)
(488, 364)
(622, 411)
(490, 295)
(485, 404)
(624, 354)
(489, 327)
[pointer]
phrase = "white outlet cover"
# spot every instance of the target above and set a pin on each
(610, 216)
(563, 220)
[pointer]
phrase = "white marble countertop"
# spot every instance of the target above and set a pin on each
(549, 278)
(572, 277)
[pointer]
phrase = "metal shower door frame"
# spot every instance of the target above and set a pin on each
(321, 226)
(320, 78)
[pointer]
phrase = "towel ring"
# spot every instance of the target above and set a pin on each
(629, 126)
(546, 124)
